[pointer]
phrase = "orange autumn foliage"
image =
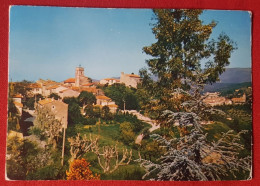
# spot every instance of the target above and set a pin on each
(79, 170)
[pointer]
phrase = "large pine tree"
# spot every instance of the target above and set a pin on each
(182, 43)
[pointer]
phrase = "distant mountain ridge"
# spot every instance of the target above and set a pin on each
(232, 77)
(236, 75)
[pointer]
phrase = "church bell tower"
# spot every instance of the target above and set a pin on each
(79, 74)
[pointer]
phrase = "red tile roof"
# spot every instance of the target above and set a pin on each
(103, 97)
(75, 88)
(53, 87)
(113, 105)
(45, 101)
(110, 79)
(18, 104)
(18, 96)
(70, 80)
(133, 75)
(88, 84)
(35, 85)
(92, 89)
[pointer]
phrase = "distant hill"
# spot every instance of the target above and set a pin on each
(236, 75)
(232, 78)
(226, 87)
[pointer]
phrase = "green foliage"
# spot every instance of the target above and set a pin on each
(127, 133)
(50, 127)
(22, 158)
(122, 94)
(29, 101)
(54, 96)
(97, 112)
(13, 116)
(182, 41)
(14, 163)
(21, 87)
(129, 172)
(70, 100)
(12, 110)
(89, 111)
(151, 150)
(214, 131)
(90, 121)
(105, 114)
(86, 98)
(136, 123)
(229, 89)
(74, 114)
(37, 132)
(48, 172)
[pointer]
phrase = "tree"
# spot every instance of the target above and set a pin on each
(29, 102)
(48, 124)
(13, 116)
(89, 111)
(127, 133)
(106, 115)
(24, 157)
(86, 98)
(21, 87)
(192, 156)
(81, 145)
(79, 170)
(123, 95)
(55, 96)
(74, 114)
(108, 157)
(182, 42)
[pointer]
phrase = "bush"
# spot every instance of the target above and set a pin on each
(90, 121)
(79, 170)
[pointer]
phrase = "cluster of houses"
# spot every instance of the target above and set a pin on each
(214, 99)
(73, 86)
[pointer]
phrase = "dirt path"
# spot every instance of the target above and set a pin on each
(146, 120)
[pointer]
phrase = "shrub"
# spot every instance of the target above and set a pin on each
(79, 170)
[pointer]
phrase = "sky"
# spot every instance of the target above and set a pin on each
(50, 42)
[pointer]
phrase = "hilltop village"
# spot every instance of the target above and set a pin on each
(72, 87)
(58, 114)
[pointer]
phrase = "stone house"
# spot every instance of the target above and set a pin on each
(113, 108)
(46, 85)
(68, 93)
(58, 108)
(56, 89)
(36, 88)
(88, 85)
(93, 90)
(17, 99)
(106, 101)
(109, 81)
(130, 80)
(213, 99)
(69, 82)
(240, 100)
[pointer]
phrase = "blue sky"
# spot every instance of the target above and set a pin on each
(49, 42)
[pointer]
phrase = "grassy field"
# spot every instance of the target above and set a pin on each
(108, 135)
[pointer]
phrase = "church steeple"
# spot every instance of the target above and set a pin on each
(79, 74)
